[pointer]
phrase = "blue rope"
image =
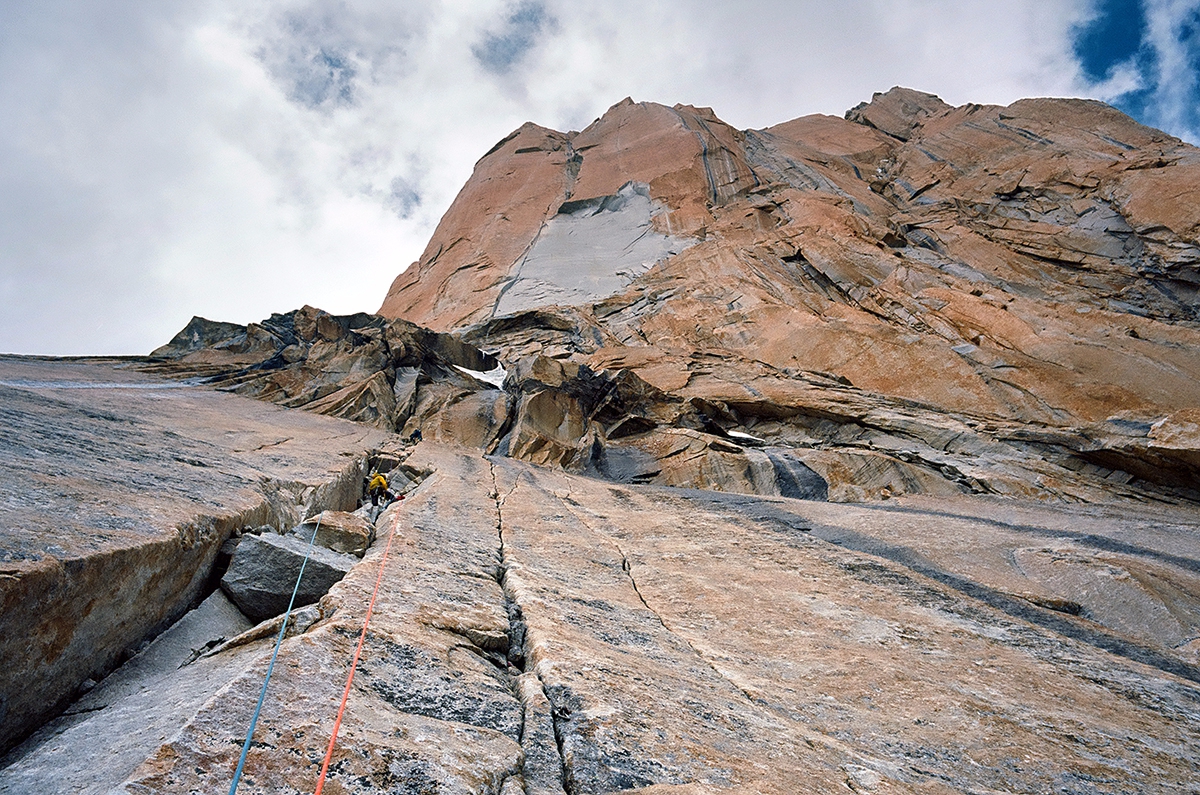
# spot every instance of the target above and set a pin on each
(237, 774)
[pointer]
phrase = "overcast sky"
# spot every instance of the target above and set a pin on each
(165, 158)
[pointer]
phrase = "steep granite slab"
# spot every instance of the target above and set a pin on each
(1036, 262)
(713, 640)
(542, 632)
(1121, 576)
(116, 491)
(434, 706)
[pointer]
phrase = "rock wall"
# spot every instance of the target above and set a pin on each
(358, 367)
(849, 453)
(541, 632)
(1036, 263)
(119, 490)
(710, 420)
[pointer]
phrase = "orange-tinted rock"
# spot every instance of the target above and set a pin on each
(496, 216)
(985, 317)
(661, 285)
(898, 112)
(338, 531)
(524, 181)
(1036, 262)
(536, 631)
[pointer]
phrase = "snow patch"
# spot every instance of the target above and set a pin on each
(494, 377)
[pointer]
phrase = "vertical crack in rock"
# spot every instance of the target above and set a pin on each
(573, 166)
(704, 125)
(544, 766)
(127, 710)
(627, 567)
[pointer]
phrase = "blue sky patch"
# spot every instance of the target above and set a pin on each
(1113, 37)
(500, 52)
(311, 65)
(403, 198)
(1159, 43)
(326, 77)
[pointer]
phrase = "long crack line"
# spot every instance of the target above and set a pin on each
(627, 567)
(512, 607)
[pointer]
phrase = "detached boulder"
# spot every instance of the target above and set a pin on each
(264, 571)
(347, 533)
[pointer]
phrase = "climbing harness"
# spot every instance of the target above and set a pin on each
(337, 724)
(237, 774)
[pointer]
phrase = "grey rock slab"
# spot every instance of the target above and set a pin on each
(543, 764)
(117, 489)
(380, 748)
(430, 711)
(590, 250)
(213, 622)
(105, 735)
(692, 642)
(264, 570)
(687, 638)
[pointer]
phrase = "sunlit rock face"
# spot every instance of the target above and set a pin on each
(914, 298)
(538, 631)
(1035, 262)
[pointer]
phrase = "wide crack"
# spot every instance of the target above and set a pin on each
(517, 659)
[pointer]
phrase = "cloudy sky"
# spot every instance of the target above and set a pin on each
(165, 158)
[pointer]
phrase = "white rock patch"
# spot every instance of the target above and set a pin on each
(592, 249)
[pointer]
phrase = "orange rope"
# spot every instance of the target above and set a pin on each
(337, 724)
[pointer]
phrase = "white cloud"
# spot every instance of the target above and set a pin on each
(1121, 79)
(1176, 87)
(164, 159)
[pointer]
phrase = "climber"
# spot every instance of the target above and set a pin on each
(377, 489)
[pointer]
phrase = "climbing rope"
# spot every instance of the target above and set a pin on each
(337, 724)
(237, 774)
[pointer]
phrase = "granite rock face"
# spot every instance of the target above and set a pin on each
(118, 490)
(1038, 261)
(1027, 275)
(537, 631)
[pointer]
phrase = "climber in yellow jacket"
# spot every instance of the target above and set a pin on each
(377, 489)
